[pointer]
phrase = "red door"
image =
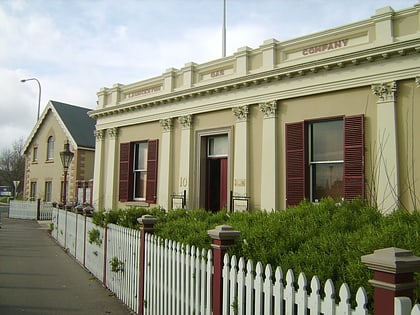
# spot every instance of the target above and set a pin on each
(216, 186)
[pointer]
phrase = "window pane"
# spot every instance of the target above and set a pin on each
(50, 149)
(327, 181)
(327, 141)
(140, 185)
(218, 145)
(140, 156)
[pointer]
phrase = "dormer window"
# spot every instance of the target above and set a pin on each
(50, 148)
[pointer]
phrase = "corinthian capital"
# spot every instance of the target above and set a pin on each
(185, 121)
(385, 91)
(99, 134)
(166, 124)
(113, 132)
(418, 81)
(269, 109)
(240, 112)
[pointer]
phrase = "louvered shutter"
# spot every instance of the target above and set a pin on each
(354, 153)
(125, 171)
(295, 163)
(152, 165)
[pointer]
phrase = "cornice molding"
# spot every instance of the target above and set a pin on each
(399, 49)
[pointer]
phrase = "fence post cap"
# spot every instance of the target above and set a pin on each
(223, 232)
(392, 260)
(147, 219)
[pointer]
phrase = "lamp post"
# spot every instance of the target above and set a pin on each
(66, 158)
(39, 91)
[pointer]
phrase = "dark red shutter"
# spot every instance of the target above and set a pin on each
(152, 166)
(354, 154)
(125, 171)
(295, 163)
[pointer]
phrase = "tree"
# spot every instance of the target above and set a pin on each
(12, 165)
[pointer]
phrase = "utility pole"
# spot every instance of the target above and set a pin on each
(224, 30)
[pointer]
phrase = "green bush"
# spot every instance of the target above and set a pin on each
(325, 239)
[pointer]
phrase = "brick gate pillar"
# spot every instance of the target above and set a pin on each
(393, 276)
(223, 237)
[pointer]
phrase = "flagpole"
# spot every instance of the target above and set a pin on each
(224, 30)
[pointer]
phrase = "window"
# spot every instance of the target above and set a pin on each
(217, 146)
(325, 159)
(33, 191)
(50, 148)
(138, 171)
(35, 154)
(48, 191)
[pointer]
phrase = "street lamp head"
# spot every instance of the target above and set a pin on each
(66, 156)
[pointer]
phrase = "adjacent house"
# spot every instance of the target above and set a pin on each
(60, 123)
(330, 114)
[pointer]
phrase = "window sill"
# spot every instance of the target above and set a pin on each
(49, 161)
(137, 203)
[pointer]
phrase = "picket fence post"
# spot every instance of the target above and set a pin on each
(223, 237)
(393, 276)
(147, 222)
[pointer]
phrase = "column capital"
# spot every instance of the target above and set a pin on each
(99, 134)
(418, 81)
(386, 92)
(166, 124)
(240, 112)
(269, 109)
(186, 121)
(113, 132)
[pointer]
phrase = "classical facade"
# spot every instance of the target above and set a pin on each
(331, 114)
(44, 175)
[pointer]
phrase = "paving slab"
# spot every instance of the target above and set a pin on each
(38, 277)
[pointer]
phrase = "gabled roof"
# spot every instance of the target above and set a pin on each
(74, 121)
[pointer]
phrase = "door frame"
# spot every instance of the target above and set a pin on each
(201, 136)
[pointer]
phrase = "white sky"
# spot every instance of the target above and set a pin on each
(75, 47)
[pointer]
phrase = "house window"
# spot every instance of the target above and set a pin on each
(50, 148)
(138, 171)
(325, 159)
(32, 192)
(35, 154)
(48, 191)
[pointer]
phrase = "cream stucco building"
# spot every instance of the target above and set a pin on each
(331, 114)
(44, 175)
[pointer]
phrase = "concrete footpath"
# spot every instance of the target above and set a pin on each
(38, 277)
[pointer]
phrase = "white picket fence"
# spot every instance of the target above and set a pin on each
(20, 209)
(259, 291)
(99, 255)
(178, 278)
(403, 306)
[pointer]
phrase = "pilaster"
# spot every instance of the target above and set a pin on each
(242, 56)
(241, 156)
(165, 165)
(98, 180)
(269, 168)
(387, 168)
(185, 166)
(111, 170)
